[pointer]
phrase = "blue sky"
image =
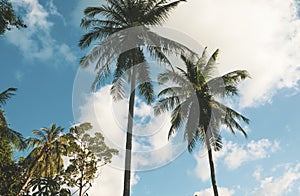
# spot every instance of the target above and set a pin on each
(263, 37)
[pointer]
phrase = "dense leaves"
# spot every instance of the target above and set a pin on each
(88, 154)
(47, 187)
(8, 18)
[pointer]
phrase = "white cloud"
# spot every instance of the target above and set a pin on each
(53, 11)
(36, 41)
(149, 151)
(221, 190)
(19, 75)
(260, 36)
(234, 155)
(279, 185)
(257, 173)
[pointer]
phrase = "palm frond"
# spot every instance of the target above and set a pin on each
(191, 127)
(10, 135)
(5, 95)
(179, 116)
(180, 80)
(118, 84)
(166, 104)
(144, 82)
(202, 60)
(227, 84)
(87, 23)
(159, 12)
(210, 66)
(157, 53)
(230, 118)
(172, 91)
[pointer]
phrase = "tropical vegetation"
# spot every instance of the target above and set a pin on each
(195, 101)
(44, 171)
(65, 162)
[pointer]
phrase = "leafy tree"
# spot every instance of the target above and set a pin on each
(8, 18)
(193, 102)
(45, 160)
(88, 154)
(108, 23)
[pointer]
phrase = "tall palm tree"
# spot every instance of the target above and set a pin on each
(112, 24)
(195, 105)
(7, 133)
(45, 160)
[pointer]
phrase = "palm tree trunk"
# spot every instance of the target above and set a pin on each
(212, 167)
(212, 172)
(126, 190)
(29, 173)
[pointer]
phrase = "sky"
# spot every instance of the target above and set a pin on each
(261, 36)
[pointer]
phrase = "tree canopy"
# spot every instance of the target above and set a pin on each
(8, 17)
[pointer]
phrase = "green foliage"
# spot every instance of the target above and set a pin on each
(9, 170)
(47, 187)
(10, 140)
(8, 18)
(42, 172)
(88, 154)
(45, 160)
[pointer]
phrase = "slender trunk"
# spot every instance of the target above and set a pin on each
(212, 167)
(126, 190)
(212, 172)
(80, 190)
(207, 116)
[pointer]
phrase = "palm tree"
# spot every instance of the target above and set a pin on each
(45, 160)
(112, 24)
(194, 102)
(7, 133)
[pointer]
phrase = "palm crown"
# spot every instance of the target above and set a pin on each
(193, 101)
(50, 145)
(122, 27)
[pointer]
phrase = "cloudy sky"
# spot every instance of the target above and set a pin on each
(262, 36)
